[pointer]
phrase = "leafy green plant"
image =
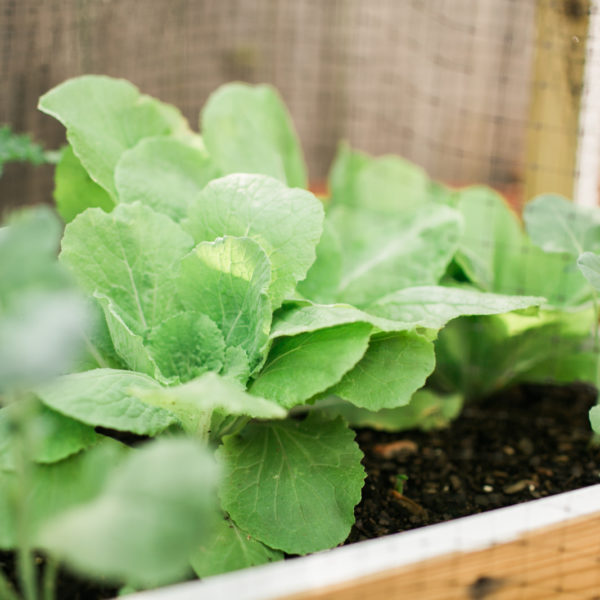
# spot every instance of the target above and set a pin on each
(236, 310)
(16, 147)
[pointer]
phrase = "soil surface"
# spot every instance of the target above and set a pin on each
(529, 442)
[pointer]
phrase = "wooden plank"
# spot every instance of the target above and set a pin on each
(543, 549)
(556, 91)
(561, 562)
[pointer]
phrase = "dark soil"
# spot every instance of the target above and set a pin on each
(529, 442)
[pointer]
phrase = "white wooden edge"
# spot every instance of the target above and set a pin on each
(331, 567)
(588, 150)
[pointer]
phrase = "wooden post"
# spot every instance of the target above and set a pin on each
(557, 86)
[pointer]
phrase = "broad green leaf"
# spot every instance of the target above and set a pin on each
(75, 190)
(129, 346)
(323, 277)
(228, 280)
(557, 225)
(388, 183)
(426, 410)
(293, 485)
(51, 437)
(434, 306)
(55, 488)
(196, 400)
(104, 117)
(595, 418)
(303, 316)
(497, 256)
(491, 230)
(129, 256)
(154, 509)
(394, 367)
(287, 223)
(382, 255)
(247, 129)
(589, 265)
(187, 345)
(235, 364)
(301, 366)
(104, 398)
(164, 173)
(230, 549)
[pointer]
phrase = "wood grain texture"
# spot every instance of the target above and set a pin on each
(556, 563)
(443, 82)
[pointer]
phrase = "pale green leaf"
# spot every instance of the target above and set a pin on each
(230, 549)
(394, 367)
(247, 129)
(301, 366)
(303, 316)
(323, 277)
(434, 306)
(103, 397)
(75, 190)
(103, 118)
(388, 183)
(287, 223)
(56, 487)
(382, 255)
(595, 418)
(557, 225)
(293, 485)
(426, 410)
(51, 437)
(228, 280)
(153, 511)
(186, 345)
(130, 256)
(164, 173)
(194, 401)
(589, 265)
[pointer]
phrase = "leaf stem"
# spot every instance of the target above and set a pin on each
(49, 582)
(6, 589)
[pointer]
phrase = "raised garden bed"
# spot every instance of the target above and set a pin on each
(225, 311)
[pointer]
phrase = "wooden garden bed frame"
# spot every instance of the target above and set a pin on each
(539, 550)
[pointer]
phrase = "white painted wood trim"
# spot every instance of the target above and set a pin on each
(588, 151)
(356, 561)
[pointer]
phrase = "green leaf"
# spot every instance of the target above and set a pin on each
(104, 117)
(51, 437)
(589, 265)
(247, 129)
(306, 364)
(426, 410)
(164, 173)
(557, 225)
(434, 306)
(75, 190)
(230, 549)
(287, 223)
(16, 147)
(595, 418)
(382, 255)
(104, 398)
(187, 345)
(192, 402)
(302, 316)
(228, 280)
(293, 485)
(394, 367)
(389, 183)
(55, 488)
(154, 509)
(323, 277)
(130, 256)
